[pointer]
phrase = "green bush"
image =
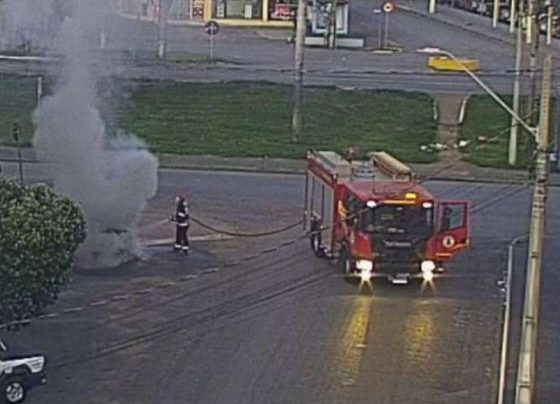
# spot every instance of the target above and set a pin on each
(39, 233)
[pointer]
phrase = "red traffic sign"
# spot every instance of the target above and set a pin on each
(388, 7)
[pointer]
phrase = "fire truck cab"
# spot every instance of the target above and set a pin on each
(377, 220)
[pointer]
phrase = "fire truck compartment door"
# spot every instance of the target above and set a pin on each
(453, 231)
(320, 200)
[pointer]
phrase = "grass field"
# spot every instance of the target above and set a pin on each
(17, 100)
(253, 119)
(487, 119)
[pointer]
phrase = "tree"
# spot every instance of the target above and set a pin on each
(39, 233)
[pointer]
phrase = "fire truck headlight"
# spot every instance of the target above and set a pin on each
(365, 276)
(371, 204)
(364, 265)
(427, 266)
(428, 276)
(427, 205)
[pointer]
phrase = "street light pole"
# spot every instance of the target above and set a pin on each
(532, 40)
(526, 376)
(297, 113)
(432, 7)
(482, 84)
(162, 29)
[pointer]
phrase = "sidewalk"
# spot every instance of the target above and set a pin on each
(460, 171)
(467, 21)
(153, 20)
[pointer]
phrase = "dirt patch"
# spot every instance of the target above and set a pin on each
(449, 108)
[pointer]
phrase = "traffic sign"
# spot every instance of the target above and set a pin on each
(388, 7)
(212, 28)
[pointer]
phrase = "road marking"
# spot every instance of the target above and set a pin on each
(73, 310)
(98, 303)
(143, 291)
(119, 297)
(165, 285)
(50, 315)
(187, 277)
(108, 300)
(210, 271)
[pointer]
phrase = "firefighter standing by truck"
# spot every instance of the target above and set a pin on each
(182, 219)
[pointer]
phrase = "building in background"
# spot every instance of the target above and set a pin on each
(277, 13)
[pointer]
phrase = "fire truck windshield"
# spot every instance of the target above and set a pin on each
(398, 219)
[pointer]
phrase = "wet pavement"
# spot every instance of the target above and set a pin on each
(281, 325)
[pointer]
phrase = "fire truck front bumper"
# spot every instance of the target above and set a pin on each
(399, 272)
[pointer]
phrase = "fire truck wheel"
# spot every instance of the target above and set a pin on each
(316, 244)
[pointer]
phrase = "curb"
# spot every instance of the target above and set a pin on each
(177, 23)
(264, 36)
(514, 177)
(454, 25)
(301, 171)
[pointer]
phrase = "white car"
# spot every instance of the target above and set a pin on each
(20, 371)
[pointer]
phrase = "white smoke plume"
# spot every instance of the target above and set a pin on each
(111, 177)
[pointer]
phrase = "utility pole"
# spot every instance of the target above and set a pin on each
(16, 132)
(496, 13)
(525, 383)
(432, 6)
(103, 37)
(163, 6)
(513, 15)
(549, 15)
(39, 90)
(514, 129)
(297, 113)
(332, 24)
(532, 39)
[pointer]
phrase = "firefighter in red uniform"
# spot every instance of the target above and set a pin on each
(182, 218)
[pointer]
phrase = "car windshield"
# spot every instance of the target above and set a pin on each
(398, 219)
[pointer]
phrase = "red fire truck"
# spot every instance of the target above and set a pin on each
(377, 220)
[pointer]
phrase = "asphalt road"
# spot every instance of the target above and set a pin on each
(283, 327)
(248, 56)
(365, 79)
(249, 47)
